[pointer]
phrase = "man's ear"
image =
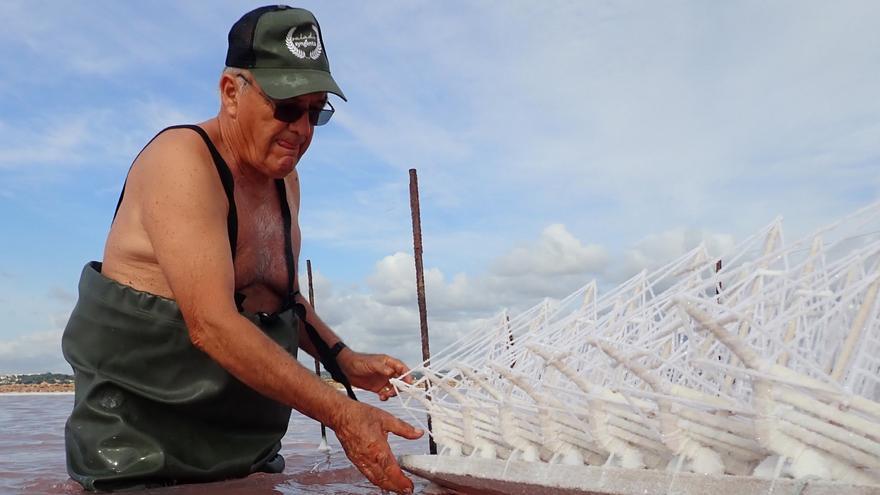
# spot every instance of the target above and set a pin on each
(230, 92)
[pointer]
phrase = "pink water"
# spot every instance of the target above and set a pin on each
(32, 455)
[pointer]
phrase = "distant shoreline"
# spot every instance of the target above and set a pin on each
(19, 394)
(36, 388)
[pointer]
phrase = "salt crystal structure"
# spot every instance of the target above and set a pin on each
(763, 362)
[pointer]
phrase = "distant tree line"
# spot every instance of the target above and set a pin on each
(37, 378)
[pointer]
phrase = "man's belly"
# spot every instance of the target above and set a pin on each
(260, 296)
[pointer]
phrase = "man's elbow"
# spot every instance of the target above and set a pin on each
(199, 336)
(206, 330)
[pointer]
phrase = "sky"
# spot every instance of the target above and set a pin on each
(556, 143)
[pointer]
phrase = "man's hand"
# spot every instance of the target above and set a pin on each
(372, 371)
(363, 432)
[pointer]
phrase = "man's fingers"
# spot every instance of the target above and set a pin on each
(387, 391)
(403, 371)
(383, 471)
(366, 444)
(400, 368)
(391, 478)
(371, 469)
(401, 428)
(394, 367)
(393, 473)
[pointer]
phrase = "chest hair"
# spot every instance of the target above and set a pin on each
(264, 259)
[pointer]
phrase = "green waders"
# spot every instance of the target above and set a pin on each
(151, 409)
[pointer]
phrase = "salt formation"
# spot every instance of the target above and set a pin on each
(763, 362)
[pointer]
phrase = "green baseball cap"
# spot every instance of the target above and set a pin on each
(283, 48)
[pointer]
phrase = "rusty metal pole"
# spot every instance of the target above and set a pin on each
(420, 279)
(323, 445)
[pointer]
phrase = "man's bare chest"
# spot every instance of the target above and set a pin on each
(260, 261)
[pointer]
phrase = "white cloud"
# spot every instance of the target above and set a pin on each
(393, 281)
(58, 141)
(33, 353)
(155, 113)
(551, 266)
(379, 225)
(63, 295)
(657, 249)
(92, 41)
(111, 135)
(383, 315)
(33, 321)
(556, 253)
(691, 120)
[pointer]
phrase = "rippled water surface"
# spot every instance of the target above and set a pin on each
(32, 455)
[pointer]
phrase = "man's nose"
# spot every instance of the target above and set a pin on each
(301, 126)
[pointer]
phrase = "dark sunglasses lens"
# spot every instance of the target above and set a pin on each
(292, 113)
(288, 113)
(322, 116)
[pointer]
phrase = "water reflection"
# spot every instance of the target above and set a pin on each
(32, 455)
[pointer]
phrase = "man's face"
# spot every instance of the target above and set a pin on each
(274, 145)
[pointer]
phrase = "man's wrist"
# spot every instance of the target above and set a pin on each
(337, 412)
(337, 348)
(342, 357)
(341, 412)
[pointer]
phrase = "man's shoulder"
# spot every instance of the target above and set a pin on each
(175, 151)
(177, 161)
(178, 139)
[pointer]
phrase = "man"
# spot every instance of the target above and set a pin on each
(183, 341)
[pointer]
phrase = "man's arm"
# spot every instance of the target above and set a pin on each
(324, 331)
(367, 371)
(184, 214)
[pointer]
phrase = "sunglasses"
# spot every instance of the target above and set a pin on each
(290, 112)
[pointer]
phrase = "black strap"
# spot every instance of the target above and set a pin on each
(288, 242)
(225, 178)
(228, 187)
(328, 359)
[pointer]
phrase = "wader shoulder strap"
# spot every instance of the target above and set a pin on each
(324, 354)
(225, 178)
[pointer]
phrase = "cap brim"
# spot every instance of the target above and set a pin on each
(281, 84)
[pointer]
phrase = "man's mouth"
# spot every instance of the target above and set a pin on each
(287, 144)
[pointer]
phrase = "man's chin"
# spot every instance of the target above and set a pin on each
(284, 167)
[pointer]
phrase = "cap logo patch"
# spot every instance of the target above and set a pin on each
(304, 41)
